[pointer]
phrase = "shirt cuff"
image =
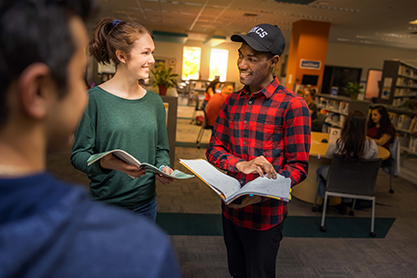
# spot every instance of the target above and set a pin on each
(231, 165)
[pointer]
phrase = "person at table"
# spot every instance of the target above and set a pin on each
(216, 102)
(352, 144)
(263, 129)
(310, 97)
(210, 91)
(121, 114)
(380, 128)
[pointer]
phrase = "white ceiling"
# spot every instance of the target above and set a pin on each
(374, 22)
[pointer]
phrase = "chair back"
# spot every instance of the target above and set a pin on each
(318, 126)
(205, 125)
(394, 149)
(352, 176)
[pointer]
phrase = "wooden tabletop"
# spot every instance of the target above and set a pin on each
(319, 149)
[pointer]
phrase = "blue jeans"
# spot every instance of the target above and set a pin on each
(148, 210)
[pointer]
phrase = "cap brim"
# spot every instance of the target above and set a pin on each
(250, 41)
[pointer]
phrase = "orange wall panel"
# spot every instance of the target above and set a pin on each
(308, 41)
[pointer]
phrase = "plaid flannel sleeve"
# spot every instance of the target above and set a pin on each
(217, 152)
(297, 139)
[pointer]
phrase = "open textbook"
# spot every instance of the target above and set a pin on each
(129, 159)
(229, 189)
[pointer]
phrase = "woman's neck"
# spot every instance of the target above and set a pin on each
(124, 86)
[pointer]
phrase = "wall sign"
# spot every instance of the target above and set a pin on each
(309, 64)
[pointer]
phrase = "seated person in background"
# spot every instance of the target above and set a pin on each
(380, 128)
(352, 144)
(216, 102)
(48, 227)
(210, 91)
(310, 97)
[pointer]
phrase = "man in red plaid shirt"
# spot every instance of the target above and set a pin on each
(263, 129)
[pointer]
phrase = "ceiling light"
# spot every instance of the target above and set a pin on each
(413, 22)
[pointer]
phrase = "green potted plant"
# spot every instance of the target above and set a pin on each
(164, 78)
(353, 89)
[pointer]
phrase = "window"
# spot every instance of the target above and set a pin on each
(191, 63)
(218, 64)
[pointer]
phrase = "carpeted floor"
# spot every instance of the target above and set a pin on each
(187, 208)
(197, 224)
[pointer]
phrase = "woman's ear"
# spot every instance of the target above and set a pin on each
(34, 89)
(121, 56)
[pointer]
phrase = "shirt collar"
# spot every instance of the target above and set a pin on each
(268, 90)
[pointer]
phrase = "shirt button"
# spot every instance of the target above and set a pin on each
(246, 122)
(250, 102)
(244, 142)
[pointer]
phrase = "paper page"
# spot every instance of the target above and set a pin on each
(208, 173)
(176, 174)
(129, 159)
(120, 154)
(278, 188)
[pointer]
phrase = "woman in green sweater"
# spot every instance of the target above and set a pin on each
(123, 115)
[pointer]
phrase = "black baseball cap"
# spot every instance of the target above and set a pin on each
(263, 38)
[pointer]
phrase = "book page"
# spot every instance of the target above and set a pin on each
(278, 188)
(130, 160)
(209, 174)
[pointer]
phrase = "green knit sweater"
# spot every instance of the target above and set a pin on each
(136, 126)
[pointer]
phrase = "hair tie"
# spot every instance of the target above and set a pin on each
(115, 22)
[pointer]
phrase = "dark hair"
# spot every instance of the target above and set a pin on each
(312, 93)
(108, 37)
(37, 31)
(384, 122)
(351, 143)
(213, 84)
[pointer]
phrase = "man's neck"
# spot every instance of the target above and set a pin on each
(21, 154)
(258, 87)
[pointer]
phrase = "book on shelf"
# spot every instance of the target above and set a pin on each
(130, 160)
(229, 188)
(413, 144)
(413, 125)
(344, 107)
(404, 122)
(394, 118)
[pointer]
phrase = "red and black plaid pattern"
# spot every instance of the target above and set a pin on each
(273, 122)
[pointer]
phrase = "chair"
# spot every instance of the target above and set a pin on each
(352, 179)
(392, 167)
(318, 125)
(197, 108)
(204, 126)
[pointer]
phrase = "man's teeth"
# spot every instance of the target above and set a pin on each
(245, 73)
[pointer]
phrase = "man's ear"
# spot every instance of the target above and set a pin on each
(34, 86)
(274, 61)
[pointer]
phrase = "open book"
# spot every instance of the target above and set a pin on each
(229, 189)
(129, 159)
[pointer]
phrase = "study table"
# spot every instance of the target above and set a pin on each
(306, 190)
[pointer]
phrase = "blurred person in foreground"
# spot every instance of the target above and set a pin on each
(51, 228)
